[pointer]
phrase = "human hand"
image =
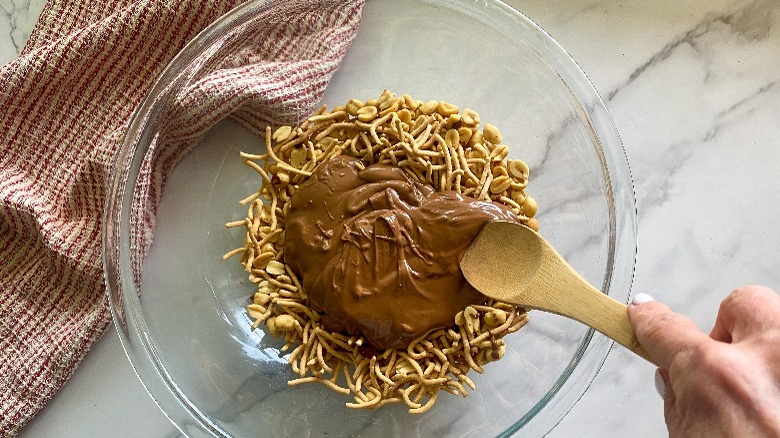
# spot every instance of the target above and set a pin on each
(724, 384)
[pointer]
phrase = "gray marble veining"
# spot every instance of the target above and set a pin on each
(17, 18)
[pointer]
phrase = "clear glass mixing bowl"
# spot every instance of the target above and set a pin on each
(180, 311)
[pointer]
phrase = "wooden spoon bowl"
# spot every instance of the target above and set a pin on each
(510, 262)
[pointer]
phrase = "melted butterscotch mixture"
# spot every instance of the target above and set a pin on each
(379, 252)
(354, 237)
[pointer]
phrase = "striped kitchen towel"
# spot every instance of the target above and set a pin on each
(65, 103)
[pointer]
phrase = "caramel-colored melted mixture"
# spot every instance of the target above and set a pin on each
(378, 252)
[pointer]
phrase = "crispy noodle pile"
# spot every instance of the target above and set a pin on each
(434, 143)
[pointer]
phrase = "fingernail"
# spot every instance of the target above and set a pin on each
(660, 385)
(642, 298)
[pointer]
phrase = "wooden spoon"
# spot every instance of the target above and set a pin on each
(510, 262)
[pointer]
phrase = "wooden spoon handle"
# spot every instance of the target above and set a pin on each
(510, 262)
(583, 302)
(610, 317)
(592, 307)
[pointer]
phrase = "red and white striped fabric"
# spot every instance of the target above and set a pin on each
(64, 106)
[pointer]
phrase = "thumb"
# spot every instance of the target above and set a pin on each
(662, 332)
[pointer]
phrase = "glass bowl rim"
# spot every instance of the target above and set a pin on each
(172, 401)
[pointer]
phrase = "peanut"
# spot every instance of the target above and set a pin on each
(262, 260)
(285, 323)
(500, 184)
(275, 268)
(353, 106)
(518, 169)
(367, 113)
(282, 133)
(429, 107)
(470, 118)
(491, 133)
(530, 207)
(446, 109)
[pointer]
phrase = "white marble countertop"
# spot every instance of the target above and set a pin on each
(694, 89)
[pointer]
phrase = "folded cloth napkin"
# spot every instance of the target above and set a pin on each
(64, 106)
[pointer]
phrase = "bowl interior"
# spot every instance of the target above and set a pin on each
(184, 325)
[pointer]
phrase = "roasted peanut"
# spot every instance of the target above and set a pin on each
(367, 113)
(409, 102)
(530, 207)
(262, 260)
(450, 121)
(452, 138)
(405, 115)
(386, 100)
(429, 107)
(518, 169)
(281, 134)
(465, 134)
(517, 196)
(353, 106)
(446, 109)
(261, 299)
(495, 318)
(499, 152)
(491, 133)
(470, 117)
(500, 184)
(499, 171)
(476, 138)
(298, 157)
(533, 224)
(285, 323)
(255, 311)
(459, 319)
(275, 268)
